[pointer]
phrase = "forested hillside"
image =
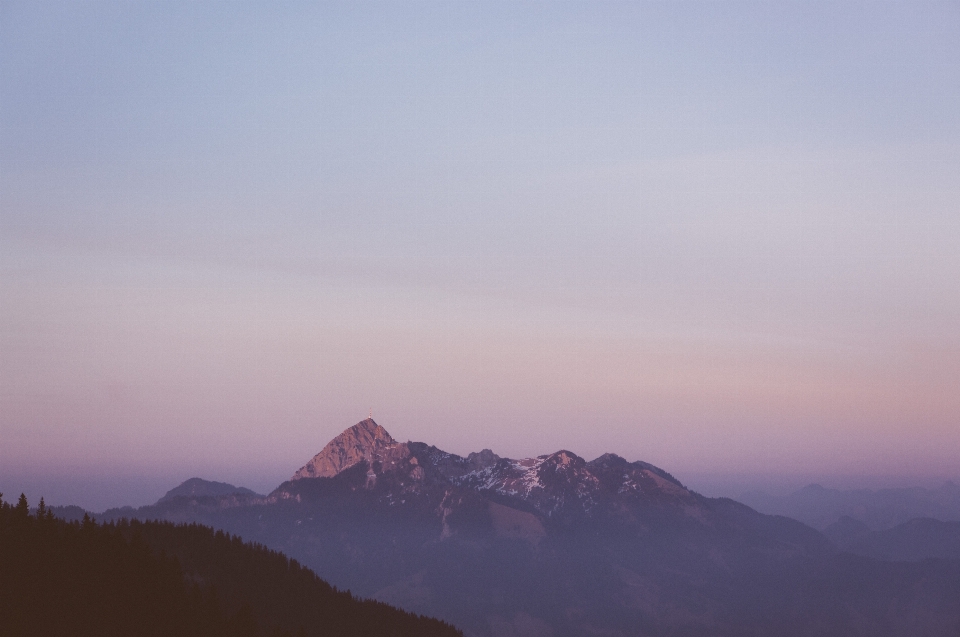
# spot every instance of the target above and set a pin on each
(156, 578)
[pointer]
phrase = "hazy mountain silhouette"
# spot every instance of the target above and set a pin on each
(918, 539)
(879, 509)
(70, 513)
(558, 545)
(195, 487)
(846, 531)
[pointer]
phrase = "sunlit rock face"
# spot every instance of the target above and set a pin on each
(366, 440)
(561, 487)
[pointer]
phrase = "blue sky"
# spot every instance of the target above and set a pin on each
(716, 236)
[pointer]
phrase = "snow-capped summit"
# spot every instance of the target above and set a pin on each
(560, 486)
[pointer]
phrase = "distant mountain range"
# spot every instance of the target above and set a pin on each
(556, 545)
(915, 540)
(879, 509)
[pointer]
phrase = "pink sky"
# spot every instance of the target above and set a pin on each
(721, 239)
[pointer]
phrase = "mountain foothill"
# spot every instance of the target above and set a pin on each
(560, 546)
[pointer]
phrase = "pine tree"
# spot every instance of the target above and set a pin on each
(22, 509)
(41, 509)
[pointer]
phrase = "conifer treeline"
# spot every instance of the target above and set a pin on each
(159, 579)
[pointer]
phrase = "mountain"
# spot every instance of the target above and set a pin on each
(918, 539)
(196, 487)
(70, 513)
(364, 441)
(846, 532)
(484, 493)
(879, 509)
(560, 486)
(915, 540)
(558, 545)
(153, 578)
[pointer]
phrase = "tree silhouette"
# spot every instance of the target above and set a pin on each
(152, 579)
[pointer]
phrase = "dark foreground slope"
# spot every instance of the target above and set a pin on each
(155, 578)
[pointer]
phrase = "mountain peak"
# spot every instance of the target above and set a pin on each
(200, 487)
(360, 442)
(564, 458)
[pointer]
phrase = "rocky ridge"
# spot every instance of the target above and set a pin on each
(560, 486)
(365, 441)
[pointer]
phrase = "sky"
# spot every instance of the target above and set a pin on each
(721, 237)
